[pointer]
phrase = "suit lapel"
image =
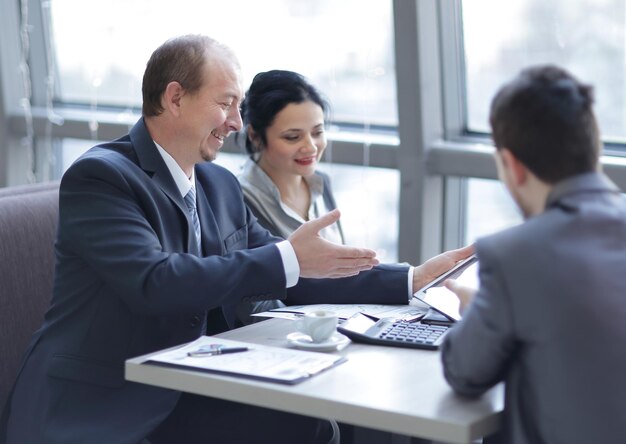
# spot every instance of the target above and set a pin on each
(152, 163)
(211, 236)
(222, 318)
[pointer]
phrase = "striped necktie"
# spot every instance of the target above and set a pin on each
(190, 200)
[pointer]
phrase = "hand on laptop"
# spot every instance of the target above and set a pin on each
(465, 294)
(438, 265)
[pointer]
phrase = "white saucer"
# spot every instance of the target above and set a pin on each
(300, 340)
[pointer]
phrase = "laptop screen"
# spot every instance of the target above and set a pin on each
(443, 300)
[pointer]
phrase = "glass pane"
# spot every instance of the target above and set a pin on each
(489, 209)
(345, 48)
(586, 37)
(367, 198)
(69, 151)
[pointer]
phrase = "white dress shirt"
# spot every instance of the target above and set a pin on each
(184, 184)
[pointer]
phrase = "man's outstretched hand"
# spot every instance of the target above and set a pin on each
(319, 258)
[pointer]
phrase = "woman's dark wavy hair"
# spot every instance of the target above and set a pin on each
(268, 94)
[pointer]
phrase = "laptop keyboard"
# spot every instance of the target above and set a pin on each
(412, 333)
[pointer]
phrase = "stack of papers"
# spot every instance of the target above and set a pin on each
(344, 311)
(262, 362)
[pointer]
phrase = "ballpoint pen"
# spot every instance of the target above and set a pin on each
(213, 351)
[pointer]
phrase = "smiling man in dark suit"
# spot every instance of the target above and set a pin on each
(155, 248)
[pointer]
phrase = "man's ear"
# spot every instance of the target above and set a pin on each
(171, 97)
(517, 171)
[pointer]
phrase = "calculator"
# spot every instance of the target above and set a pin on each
(370, 330)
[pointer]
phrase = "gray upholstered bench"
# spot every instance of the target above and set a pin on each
(28, 224)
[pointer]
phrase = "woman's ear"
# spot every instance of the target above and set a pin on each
(254, 137)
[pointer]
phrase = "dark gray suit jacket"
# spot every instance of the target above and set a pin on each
(550, 320)
(128, 282)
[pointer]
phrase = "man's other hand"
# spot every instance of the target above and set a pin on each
(438, 265)
(465, 294)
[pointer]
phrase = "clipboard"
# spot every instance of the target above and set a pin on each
(259, 362)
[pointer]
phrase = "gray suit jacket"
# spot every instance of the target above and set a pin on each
(549, 319)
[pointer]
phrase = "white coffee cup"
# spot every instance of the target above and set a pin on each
(319, 325)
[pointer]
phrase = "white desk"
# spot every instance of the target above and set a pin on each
(387, 388)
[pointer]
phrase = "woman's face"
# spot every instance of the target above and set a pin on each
(295, 141)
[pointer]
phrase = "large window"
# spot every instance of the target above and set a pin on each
(587, 37)
(344, 47)
(425, 173)
(499, 38)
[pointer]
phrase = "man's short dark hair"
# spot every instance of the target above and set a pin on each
(544, 117)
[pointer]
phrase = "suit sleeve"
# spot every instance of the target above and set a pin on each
(384, 284)
(477, 351)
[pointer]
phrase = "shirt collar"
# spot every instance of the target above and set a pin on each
(581, 183)
(183, 183)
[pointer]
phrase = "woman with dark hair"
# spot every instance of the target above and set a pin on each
(284, 118)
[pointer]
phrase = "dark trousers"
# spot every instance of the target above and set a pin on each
(199, 419)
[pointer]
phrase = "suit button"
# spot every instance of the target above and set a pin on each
(195, 321)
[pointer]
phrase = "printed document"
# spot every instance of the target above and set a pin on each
(283, 365)
(404, 312)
